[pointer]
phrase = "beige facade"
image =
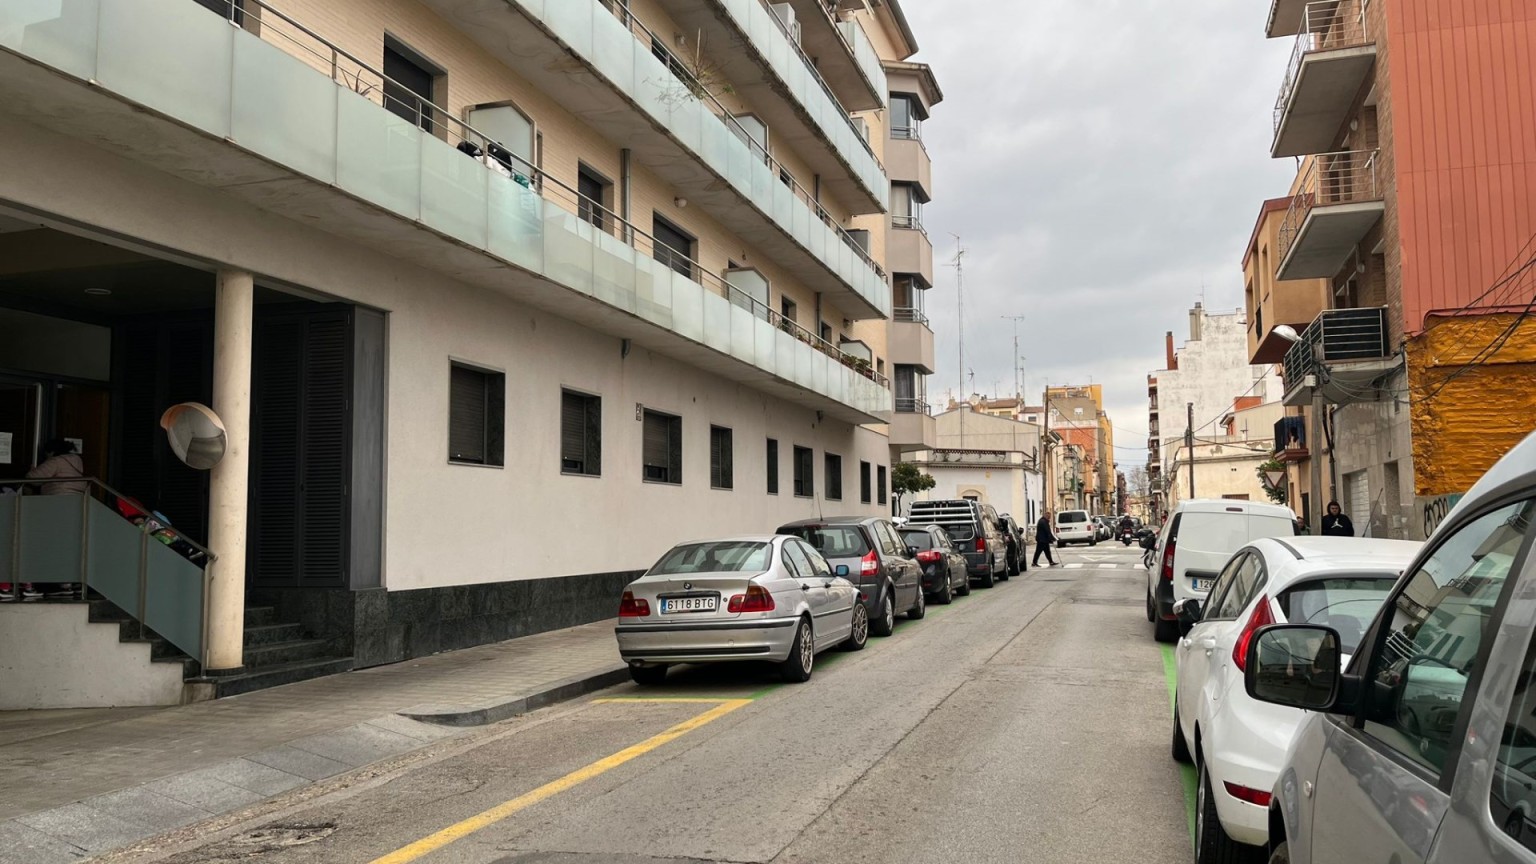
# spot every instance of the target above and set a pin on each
(479, 283)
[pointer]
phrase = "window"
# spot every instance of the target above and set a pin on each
(906, 206)
(890, 544)
(906, 116)
(720, 556)
(593, 201)
(826, 332)
(1513, 770)
(819, 565)
(787, 309)
(673, 247)
(796, 561)
(1345, 603)
(880, 484)
(1420, 668)
(834, 469)
(1244, 577)
(773, 466)
(476, 415)
(834, 541)
(753, 133)
(581, 433)
(225, 9)
(720, 458)
(865, 486)
(663, 448)
(805, 483)
(408, 84)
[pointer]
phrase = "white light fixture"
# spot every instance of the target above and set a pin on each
(1286, 332)
(680, 201)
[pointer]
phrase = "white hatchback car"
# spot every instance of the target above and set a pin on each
(1238, 743)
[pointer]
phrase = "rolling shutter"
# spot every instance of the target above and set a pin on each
(467, 411)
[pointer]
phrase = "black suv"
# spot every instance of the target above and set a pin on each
(885, 568)
(976, 529)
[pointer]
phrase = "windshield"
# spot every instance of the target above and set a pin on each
(1226, 533)
(721, 557)
(1072, 516)
(832, 541)
(1346, 603)
(917, 539)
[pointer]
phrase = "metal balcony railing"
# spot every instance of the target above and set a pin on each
(913, 132)
(911, 405)
(1345, 177)
(909, 314)
(912, 223)
(1327, 25)
(815, 75)
(1337, 334)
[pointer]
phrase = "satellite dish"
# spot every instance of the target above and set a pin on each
(196, 434)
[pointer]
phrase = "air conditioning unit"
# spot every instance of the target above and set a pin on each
(860, 126)
(860, 237)
(786, 15)
(851, 5)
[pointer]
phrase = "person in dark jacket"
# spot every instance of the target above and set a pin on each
(1045, 538)
(1336, 524)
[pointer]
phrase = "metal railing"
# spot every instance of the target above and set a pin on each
(1345, 177)
(908, 133)
(911, 405)
(145, 588)
(810, 68)
(909, 314)
(911, 223)
(1327, 25)
(1337, 334)
(698, 89)
(369, 82)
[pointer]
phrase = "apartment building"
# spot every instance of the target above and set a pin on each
(1417, 365)
(495, 302)
(989, 458)
(1077, 413)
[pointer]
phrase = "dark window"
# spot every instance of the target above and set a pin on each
(674, 248)
(787, 309)
(832, 541)
(226, 9)
(826, 332)
(408, 85)
(865, 486)
(593, 192)
(663, 445)
(834, 477)
(475, 415)
(906, 116)
(773, 466)
(918, 539)
(880, 483)
(581, 433)
(805, 481)
(720, 458)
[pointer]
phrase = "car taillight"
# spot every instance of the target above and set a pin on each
(929, 556)
(869, 565)
(981, 544)
(629, 607)
(1252, 796)
(757, 599)
(1261, 617)
(1168, 560)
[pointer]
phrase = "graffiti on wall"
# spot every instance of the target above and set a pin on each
(1436, 509)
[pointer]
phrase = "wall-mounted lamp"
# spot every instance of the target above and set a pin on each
(680, 202)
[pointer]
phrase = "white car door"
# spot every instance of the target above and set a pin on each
(1195, 654)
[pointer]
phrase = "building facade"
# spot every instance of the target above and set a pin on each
(1412, 207)
(1077, 414)
(991, 459)
(458, 279)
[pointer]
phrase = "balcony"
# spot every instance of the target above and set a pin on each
(907, 160)
(911, 341)
(603, 70)
(1340, 202)
(1285, 18)
(180, 90)
(908, 249)
(844, 56)
(912, 427)
(749, 45)
(1333, 57)
(1291, 439)
(1341, 357)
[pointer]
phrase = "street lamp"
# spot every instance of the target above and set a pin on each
(1314, 506)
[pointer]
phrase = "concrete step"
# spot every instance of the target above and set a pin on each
(266, 634)
(257, 616)
(273, 676)
(258, 657)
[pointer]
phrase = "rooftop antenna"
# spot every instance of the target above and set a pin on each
(1018, 368)
(958, 262)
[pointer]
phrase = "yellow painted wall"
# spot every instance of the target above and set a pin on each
(1459, 432)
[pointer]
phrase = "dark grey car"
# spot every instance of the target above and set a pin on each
(976, 529)
(944, 570)
(878, 560)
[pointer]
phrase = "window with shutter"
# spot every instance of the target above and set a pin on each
(662, 448)
(673, 246)
(864, 484)
(805, 481)
(581, 433)
(475, 416)
(834, 468)
(773, 466)
(720, 460)
(880, 483)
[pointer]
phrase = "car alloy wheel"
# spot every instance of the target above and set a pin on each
(888, 613)
(859, 635)
(802, 654)
(920, 608)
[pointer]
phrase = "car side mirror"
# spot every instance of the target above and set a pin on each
(841, 570)
(1295, 665)
(1188, 611)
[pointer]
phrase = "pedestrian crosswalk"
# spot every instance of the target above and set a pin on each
(1079, 565)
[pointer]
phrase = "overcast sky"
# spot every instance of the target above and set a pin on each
(1100, 159)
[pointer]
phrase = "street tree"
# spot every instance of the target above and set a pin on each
(907, 478)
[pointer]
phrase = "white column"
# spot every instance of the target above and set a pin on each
(227, 501)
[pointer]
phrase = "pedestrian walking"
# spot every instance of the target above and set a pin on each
(1336, 524)
(1045, 538)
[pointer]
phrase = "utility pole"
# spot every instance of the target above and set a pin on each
(958, 264)
(1189, 444)
(1018, 369)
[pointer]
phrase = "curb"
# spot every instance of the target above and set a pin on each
(498, 709)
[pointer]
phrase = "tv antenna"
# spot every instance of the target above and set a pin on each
(1018, 366)
(958, 262)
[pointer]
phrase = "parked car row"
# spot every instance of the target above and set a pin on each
(812, 585)
(1354, 699)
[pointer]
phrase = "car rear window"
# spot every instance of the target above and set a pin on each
(1229, 532)
(1072, 516)
(833, 541)
(917, 539)
(721, 557)
(1348, 604)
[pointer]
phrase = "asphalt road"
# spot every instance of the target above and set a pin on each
(1027, 723)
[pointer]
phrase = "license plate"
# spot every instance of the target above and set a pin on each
(1201, 584)
(689, 604)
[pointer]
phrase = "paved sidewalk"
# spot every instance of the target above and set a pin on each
(79, 783)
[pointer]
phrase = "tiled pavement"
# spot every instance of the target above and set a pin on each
(80, 783)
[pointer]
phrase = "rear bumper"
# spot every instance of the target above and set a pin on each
(706, 642)
(1163, 594)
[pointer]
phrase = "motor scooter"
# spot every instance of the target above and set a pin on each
(1127, 536)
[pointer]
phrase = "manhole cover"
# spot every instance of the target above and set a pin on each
(273, 837)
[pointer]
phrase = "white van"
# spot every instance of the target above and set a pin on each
(1195, 544)
(1074, 526)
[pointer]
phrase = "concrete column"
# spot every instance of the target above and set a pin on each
(227, 503)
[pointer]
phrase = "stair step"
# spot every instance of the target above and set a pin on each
(276, 653)
(266, 634)
(274, 676)
(257, 616)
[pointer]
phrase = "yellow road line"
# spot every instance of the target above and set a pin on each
(433, 842)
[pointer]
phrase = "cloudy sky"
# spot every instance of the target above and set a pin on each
(1100, 159)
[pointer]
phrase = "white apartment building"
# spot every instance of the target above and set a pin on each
(496, 301)
(987, 458)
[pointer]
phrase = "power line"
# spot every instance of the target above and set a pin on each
(1482, 357)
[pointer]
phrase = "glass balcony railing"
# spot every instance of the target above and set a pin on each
(865, 56)
(320, 113)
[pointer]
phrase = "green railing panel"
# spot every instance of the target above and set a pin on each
(50, 531)
(10, 506)
(113, 543)
(173, 598)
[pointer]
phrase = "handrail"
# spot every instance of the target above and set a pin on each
(497, 157)
(909, 314)
(724, 115)
(911, 405)
(1343, 177)
(42, 481)
(853, 52)
(810, 66)
(1325, 25)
